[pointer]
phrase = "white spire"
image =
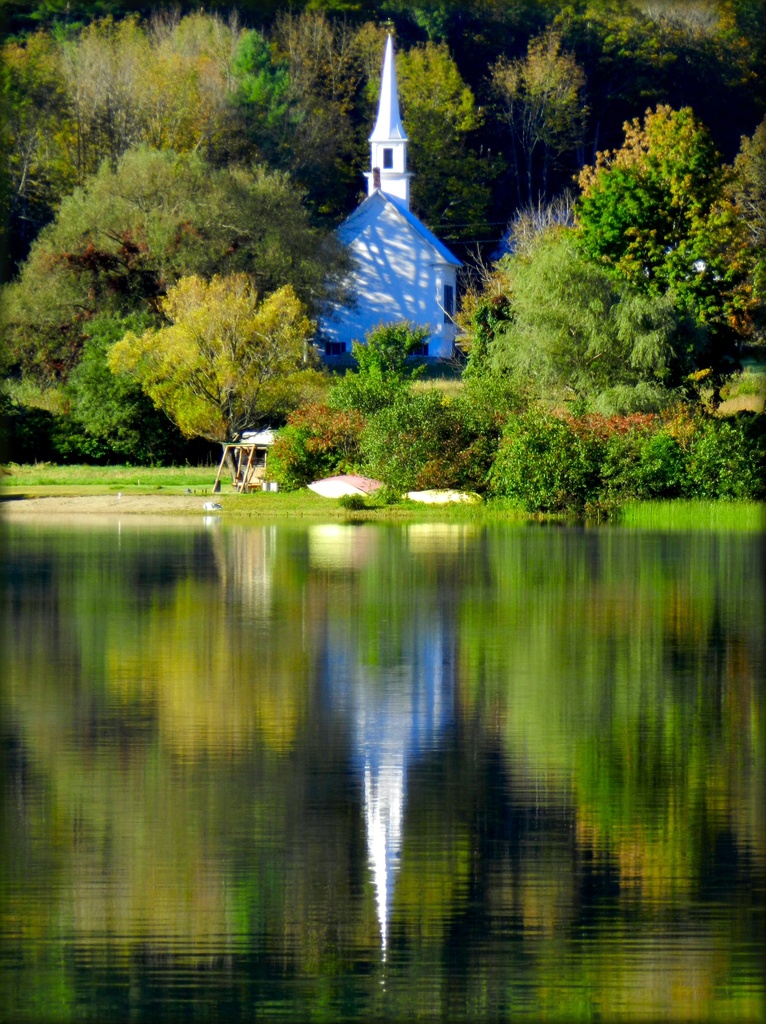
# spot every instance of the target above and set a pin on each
(388, 142)
(388, 127)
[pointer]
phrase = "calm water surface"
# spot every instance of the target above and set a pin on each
(362, 772)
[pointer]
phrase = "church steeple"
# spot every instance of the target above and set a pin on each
(388, 142)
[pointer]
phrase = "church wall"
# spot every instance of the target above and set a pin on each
(396, 278)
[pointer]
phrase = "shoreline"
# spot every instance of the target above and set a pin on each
(21, 506)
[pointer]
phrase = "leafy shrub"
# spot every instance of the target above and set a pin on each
(318, 441)
(625, 399)
(545, 465)
(403, 444)
(353, 502)
(489, 314)
(29, 434)
(486, 400)
(425, 440)
(383, 371)
(646, 461)
(727, 458)
(26, 434)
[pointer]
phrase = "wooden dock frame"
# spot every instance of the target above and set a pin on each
(244, 453)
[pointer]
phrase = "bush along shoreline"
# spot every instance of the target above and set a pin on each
(591, 465)
(493, 436)
(540, 461)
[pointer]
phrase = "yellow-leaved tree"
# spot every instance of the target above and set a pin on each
(227, 360)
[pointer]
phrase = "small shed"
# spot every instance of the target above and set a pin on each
(246, 459)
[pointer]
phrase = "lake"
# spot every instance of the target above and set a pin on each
(376, 772)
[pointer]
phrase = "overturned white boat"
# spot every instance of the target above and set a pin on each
(441, 496)
(345, 483)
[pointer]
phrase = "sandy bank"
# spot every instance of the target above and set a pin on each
(16, 506)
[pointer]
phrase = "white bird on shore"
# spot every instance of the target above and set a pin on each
(212, 506)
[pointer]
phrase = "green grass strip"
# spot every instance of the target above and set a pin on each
(748, 516)
(44, 474)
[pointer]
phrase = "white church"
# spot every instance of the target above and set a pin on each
(401, 269)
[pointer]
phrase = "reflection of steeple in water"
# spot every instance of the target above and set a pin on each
(395, 713)
(383, 812)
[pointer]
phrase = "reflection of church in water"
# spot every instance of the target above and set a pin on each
(395, 712)
(394, 692)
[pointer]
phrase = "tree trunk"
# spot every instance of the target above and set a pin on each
(231, 465)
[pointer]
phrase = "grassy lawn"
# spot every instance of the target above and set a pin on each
(115, 478)
(746, 391)
(42, 480)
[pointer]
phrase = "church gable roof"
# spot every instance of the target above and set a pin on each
(355, 223)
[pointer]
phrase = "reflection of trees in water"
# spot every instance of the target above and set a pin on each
(182, 769)
(597, 692)
(244, 561)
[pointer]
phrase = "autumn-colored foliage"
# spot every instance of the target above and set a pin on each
(318, 441)
(565, 463)
(228, 360)
(656, 212)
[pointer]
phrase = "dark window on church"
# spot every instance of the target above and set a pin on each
(449, 303)
(388, 159)
(335, 348)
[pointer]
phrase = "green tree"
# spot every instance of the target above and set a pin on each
(227, 361)
(747, 189)
(323, 145)
(656, 215)
(78, 97)
(111, 407)
(383, 370)
(263, 95)
(35, 145)
(638, 55)
(542, 104)
(451, 188)
(574, 329)
(119, 242)
(167, 84)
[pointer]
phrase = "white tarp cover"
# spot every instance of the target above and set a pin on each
(347, 483)
(441, 497)
(263, 437)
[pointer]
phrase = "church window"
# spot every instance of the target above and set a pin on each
(335, 348)
(388, 159)
(449, 303)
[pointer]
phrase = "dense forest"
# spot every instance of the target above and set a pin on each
(153, 157)
(504, 102)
